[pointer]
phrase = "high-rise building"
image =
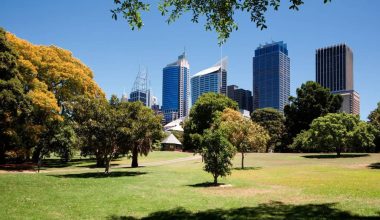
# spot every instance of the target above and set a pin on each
(241, 96)
(334, 70)
(176, 89)
(213, 79)
(271, 76)
(140, 91)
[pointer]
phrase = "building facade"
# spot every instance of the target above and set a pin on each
(241, 96)
(271, 76)
(334, 70)
(213, 79)
(176, 89)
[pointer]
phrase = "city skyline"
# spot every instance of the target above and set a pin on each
(114, 52)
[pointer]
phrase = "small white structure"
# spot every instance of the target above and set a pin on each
(174, 125)
(171, 143)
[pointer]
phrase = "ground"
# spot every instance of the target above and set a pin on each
(172, 185)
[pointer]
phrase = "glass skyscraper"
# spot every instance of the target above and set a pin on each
(271, 76)
(334, 70)
(176, 89)
(213, 79)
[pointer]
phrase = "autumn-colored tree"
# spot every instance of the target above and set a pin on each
(244, 134)
(49, 79)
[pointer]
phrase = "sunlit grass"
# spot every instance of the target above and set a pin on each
(347, 184)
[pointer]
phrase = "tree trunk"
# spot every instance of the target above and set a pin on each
(215, 180)
(36, 154)
(39, 163)
(338, 151)
(135, 155)
(2, 154)
(100, 162)
(107, 170)
(242, 160)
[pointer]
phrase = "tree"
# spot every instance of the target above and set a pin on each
(374, 119)
(217, 153)
(15, 105)
(219, 15)
(245, 135)
(145, 129)
(274, 122)
(312, 101)
(202, 116)
(341, 132)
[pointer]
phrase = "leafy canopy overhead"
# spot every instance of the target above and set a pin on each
(219, 15)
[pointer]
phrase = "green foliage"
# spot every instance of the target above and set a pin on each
(219, 15)
(274, 122)
(339, 132)
(203, 114)
(111, 128)
(217, 153)
(312, 101)
(15, 105)
(374, 119)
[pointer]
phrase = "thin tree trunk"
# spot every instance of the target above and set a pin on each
(107, 170)
(215, 180)
(39, 164)
(135, 155)
(242, 160)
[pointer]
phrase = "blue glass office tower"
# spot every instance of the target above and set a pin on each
(213, 79)
(271, 76)
(176, 89)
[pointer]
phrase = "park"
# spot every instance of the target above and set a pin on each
(302, 144)
(273, 186)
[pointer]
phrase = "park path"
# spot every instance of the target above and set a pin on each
(148, 164)
(163, 162)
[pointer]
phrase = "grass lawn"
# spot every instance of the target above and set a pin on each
(275, 186)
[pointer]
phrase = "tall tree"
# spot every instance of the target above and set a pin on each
(202, 115)
(312, 101)
(219, 15)
(217, 153)
(15, 105)
(244, 134)
(274, 122)
(374, 119)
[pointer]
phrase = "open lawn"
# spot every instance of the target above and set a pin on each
(274, 186)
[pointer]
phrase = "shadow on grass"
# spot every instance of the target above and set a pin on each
(247, 168)
(18, 167)
(58, 163)
(206, 184)
(374, 166)
(100, 175)
(273, 210)
(334, 156)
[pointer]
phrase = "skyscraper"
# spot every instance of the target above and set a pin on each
(334, 70)
(241, 96)
(212, 79)
(271, 76)
(140, 91)
(176, 89)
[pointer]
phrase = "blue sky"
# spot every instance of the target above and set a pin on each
(114, 52)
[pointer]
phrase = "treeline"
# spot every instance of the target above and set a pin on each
(50, 103)
(311, 122)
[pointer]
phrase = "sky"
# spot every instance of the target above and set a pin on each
(114, 52)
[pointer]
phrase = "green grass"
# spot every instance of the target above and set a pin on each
(275, 186)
